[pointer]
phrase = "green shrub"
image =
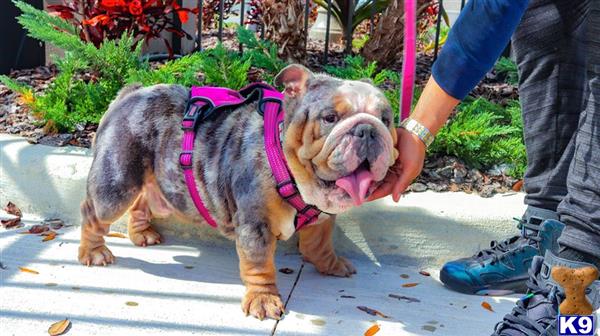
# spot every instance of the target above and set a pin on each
(261, 53)
(507, 69)
(357, 68)
(183, 71)
(70, 99)
(225, 68)
(483, 134)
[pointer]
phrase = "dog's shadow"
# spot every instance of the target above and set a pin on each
(202, 268)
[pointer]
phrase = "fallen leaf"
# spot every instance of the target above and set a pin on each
(487, 306)
(50, 236)
(410, 284)
(404, 276)
(372, 311)
(424, 273)
(286, 270)
(37, 229)
(404, 298)
(59, 327)
(12, 209)
(116, 235)
(132, 303)
(28, 270)
(518, 185)
(374, 329)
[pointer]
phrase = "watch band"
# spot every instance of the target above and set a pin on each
(419, 130)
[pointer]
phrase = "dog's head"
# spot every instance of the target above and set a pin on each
(339, 137)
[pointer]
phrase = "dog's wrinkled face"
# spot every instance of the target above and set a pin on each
(339, 137)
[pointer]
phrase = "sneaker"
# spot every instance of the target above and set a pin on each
(502, 268)
(536, 313)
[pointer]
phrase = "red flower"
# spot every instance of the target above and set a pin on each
(112, 3)
(431, 10)
(135, 7)
(102, 18)
(183, 16)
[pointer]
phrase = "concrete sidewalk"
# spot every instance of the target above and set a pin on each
(191, 285)
(183, 289)
(423, 229)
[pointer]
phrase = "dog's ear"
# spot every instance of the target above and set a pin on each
(294, 79)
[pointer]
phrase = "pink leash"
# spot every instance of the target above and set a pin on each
(409, 59)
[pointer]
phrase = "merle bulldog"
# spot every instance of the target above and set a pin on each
(336, 140)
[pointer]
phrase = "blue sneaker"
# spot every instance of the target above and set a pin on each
(536, 313)
(502, 269)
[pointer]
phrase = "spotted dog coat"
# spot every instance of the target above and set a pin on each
(136, 167)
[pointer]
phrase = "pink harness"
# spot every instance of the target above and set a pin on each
(204, 102)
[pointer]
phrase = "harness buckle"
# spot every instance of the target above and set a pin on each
(183, 163)
(263, 101)
(195, 113)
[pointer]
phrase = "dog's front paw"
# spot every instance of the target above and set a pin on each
(146, 237)
(341, 267)
(261, 305)
(99, 256)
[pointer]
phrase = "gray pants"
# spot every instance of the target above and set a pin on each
(557, 50)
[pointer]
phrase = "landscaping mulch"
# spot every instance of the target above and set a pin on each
(439, 173)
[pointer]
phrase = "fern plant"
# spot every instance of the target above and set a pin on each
(483, 134)
(357, 68)
(261, 53)
(183, 71)
(222, 67)
(506, 68)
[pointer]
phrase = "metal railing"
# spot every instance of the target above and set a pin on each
(348, 33)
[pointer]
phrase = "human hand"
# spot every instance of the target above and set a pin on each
(407, 167)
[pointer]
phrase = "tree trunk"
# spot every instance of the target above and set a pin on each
(385, 44)
(283, 22)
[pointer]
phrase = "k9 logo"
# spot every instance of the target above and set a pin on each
(576, 325)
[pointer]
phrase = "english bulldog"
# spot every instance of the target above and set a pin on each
(337, 138)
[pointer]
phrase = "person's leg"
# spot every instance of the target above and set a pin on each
(551, 74)
(551, 64)
(580, 209)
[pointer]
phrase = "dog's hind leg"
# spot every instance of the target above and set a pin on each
(95, 225)
(150, 203)
(112, 187)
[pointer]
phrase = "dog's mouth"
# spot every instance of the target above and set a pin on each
(357, 185)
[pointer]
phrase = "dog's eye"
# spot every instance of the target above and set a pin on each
(330, 118)
(386, 121)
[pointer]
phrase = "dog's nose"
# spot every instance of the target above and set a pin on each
(364, 131)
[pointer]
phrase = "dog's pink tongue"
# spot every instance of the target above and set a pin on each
(356, 185)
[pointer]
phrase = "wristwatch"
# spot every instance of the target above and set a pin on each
(419, 130)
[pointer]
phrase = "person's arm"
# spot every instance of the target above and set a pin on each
(474, 43)
(476, 40)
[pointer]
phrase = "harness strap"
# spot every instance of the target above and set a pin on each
(271, 107)
(202, 104)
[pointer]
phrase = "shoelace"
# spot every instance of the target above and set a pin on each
(518, 319)
(499, 250)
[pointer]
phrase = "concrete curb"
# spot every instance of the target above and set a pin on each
(423, 229)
